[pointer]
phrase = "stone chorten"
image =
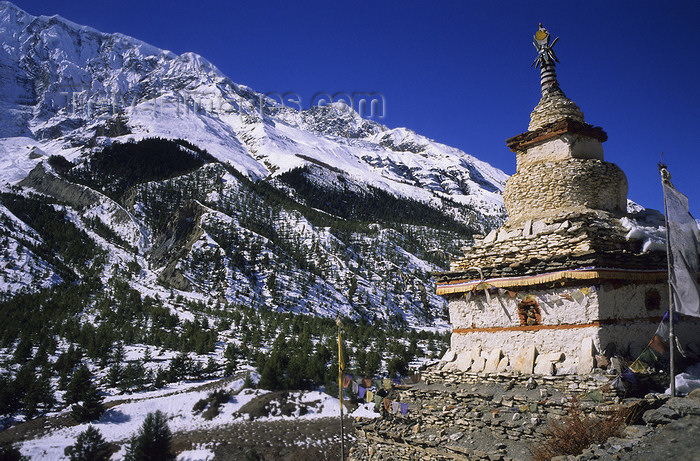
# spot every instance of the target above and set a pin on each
(568, 277)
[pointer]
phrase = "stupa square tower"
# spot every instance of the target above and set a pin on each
(571, 278)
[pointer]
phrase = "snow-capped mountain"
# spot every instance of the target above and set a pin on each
(63, 83)
(315, 210)
(160, 223)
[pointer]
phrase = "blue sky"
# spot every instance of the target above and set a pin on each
(457, 72)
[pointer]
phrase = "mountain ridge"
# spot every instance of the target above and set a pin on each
(237, 125)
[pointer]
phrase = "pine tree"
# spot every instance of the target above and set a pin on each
(115, 375)
(40, 392)
(119, 353)
(89, 446)
(153, 441)
(9, 452)
(23, 352)
(9, 400)
(230, 354)
(79, 385)
(91, 408)
(147, 356)
(374, 362)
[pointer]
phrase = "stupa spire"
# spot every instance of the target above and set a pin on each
(546, 59)
(554, 105)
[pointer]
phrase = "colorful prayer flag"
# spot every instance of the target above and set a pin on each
(361, 392)
(387, 404)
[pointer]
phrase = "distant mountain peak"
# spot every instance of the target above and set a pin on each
(66, 81)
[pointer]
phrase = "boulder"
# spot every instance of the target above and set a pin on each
(449, 356)
(552, 357)
(502, 365)
(478, 364)
(544, 367)
(464, 361)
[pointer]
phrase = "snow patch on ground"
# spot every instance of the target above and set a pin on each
(202, 454)
(123, 419)
(366, 410)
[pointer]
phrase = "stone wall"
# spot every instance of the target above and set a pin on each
(545, 189)
(546, 244)
(502, 417)
(501, 310)
(548, 352)
(576, 323)
(576, 350)
(474, 416)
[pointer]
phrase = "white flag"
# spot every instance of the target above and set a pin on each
(683, 238)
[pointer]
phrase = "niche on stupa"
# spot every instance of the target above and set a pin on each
(529, 313)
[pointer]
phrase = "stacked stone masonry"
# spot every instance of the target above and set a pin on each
(502, 417)
(575, 325)
(562, 148)
(454, 415)
(565, 241)
(552, 107)
(546, 189)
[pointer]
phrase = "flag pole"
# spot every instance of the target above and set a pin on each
(341, 366)
(665, 176)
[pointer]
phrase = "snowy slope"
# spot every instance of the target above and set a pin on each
(63, 86)
(118, 424)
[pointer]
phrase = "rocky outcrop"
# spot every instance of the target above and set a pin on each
(177, 238)
(45, 181)
(42, 180)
